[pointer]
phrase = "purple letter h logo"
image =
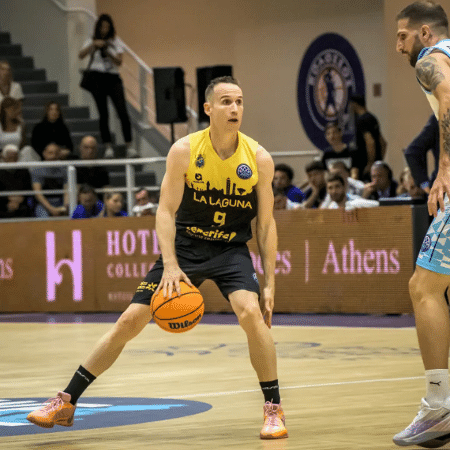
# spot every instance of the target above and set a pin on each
(54, 276)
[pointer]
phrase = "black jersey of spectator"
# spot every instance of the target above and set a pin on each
(46, 132)
(95, 176)
(15, 180)
(348, 156)
(320, 198)
(367, 123)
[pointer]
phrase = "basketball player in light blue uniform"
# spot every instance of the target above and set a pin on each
(423, 37)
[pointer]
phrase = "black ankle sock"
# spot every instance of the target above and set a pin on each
(79, 383)
(271, 391)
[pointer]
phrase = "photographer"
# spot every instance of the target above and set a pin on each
(105, 50)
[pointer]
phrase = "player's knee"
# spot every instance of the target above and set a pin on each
(415, 287)
(249, 315)
(127, 327)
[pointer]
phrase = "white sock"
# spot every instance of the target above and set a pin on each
(437, 386)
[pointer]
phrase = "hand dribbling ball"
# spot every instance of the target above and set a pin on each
(178, 313)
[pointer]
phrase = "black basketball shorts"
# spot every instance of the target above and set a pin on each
(230, 267)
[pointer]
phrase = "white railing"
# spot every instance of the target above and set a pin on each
(72, 188)
(138, 81)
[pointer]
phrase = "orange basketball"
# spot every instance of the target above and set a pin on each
(179, 313)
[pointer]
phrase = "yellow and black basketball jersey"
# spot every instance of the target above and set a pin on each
(219, 200)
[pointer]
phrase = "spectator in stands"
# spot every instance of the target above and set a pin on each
(340, 199)
(371, 145)
(88, 203)
(339, 150)
(416, 154)
(316, 190)
(47, 178)
(145, 203)
(14, 180)
(353, 188)
(383, 184)
(52, 129)
(113, 205)
(280, 201)
(12, 129)
(105, 50)
(95, 176)
(282, 180)
(407, 187)
(8, 87)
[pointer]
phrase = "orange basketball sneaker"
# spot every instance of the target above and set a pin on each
(56, 411)
(274, 420)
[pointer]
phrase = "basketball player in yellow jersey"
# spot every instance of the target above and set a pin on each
(217, 180)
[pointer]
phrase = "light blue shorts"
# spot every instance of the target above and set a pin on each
(434, 254)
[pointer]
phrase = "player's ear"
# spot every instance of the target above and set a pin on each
(425, 32)
(207, 108)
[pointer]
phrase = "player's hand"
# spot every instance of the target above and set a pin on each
(441, 186)
(170, 281)
(267, 304)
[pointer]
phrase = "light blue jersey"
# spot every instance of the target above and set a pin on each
(434, 254)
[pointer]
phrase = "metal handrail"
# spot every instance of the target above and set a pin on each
(70, 166)
(144, 71)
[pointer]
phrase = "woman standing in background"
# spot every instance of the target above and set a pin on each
(106, 50)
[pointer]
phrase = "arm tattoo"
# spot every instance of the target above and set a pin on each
(445, 127)
(429, 73)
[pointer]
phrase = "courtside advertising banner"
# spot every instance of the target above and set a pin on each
(327, 261)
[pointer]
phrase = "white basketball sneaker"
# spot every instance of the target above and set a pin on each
(428, 429)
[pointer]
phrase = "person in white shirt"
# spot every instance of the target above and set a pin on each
(8, 87)
(105, 50)
(354, 188)
(336, 189)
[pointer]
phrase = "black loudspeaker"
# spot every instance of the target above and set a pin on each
(204, 77)
(170, 98)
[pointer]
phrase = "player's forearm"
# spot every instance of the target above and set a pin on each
(444, 132)
(166, 230)
(267, 244)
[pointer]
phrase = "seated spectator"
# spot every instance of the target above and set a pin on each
(95, 176)
(14, 180)
(113, 205)
(47, 178)
(145, 205)
(339, 150)
(12, 129)
(8, 87)
(340, 199)
(280, 201)
(316, 189)
(282, 179)
(407, 187)
(354, 188)
(382, 184)
(51, 129)
(88, 203)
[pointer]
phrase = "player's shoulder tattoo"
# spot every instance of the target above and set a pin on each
(429, 72)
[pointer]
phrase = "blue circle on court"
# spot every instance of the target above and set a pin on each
(96, 412)
(330, 73)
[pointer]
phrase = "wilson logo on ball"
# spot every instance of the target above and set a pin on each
(185, 324)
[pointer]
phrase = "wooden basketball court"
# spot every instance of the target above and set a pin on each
(342, 388)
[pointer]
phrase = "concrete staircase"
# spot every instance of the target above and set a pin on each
(38, 91)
